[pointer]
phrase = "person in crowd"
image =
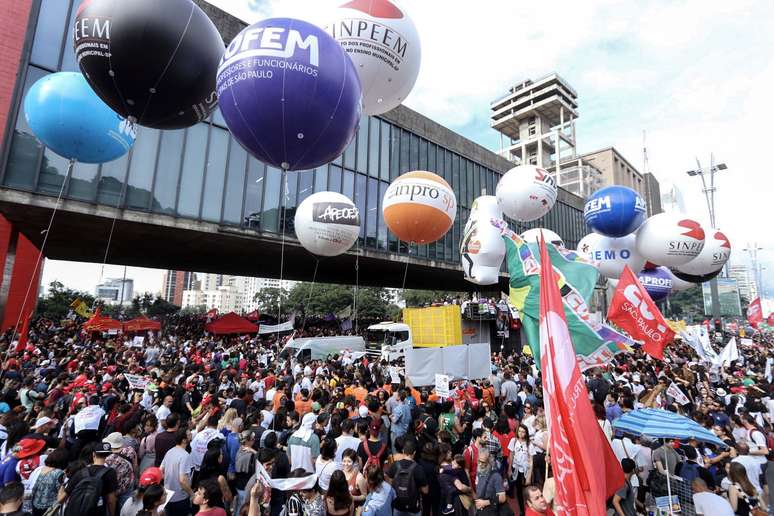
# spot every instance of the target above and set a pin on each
(741, 493)
(177, 475)
(490, 490)
(11, 497)
(536, 502)
(625, 499)
(356, 482)
(407, 479)
(76, 483)
(707, 503)
(207, 496)
(338, 500)
(152, 476)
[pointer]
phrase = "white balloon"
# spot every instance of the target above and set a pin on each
(533, 236)
(679, 285)
(526, 193)
(383, 43)
(482, 248)
(714, 255)
(327, 223)
(611, 255)
(670, 239)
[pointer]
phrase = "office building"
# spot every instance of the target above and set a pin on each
(115, 291)
(174, 283)
(745, 280)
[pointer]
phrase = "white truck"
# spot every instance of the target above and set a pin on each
(388, 340)
(316, 348)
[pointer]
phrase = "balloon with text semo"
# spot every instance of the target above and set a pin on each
(289, 93)
(152, 61)
(419, 207)
(384, 45)
(70, 119)
(327, 223)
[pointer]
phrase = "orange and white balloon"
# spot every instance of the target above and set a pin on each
(419, 207)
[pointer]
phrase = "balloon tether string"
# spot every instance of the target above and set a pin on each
(282, 249)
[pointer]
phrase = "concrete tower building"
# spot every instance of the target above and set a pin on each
(536, 122)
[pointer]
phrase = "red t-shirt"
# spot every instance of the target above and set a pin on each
(215, 511)
(529, 512)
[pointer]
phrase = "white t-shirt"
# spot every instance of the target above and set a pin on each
(710, 504)
(324, 470)
(345, 442)
(756, 440)
(753, 468)
(161, 414)
(199, 446)
(520, 451)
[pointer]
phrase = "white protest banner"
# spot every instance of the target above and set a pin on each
(746, 342)
(674, 391)
(394, 376)
(136, 381)
(137, 342)
(442, 385)
(274, 328)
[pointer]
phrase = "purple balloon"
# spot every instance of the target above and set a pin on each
(657, 282)
(289, 93)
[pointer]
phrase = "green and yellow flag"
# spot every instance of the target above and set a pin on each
(80, 307)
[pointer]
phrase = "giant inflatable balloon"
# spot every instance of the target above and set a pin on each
(526, 193)
(327, 223)
(709, 262)
(289, 93)
(670, 239)
(533, 236)
(657, 282)
(384, 45)
(482, 248)
(419, 207)
(678, 285)
(611, 255)
(614, 211)
(71, 120)
(152, 62)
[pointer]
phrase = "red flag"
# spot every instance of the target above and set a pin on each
(586, 469)
(24, 334)
(770, 319)
(634, 311)
(755, 312)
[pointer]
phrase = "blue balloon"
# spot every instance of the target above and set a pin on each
(289, 93)
(657, 282)
(70, 119)
(614, 211)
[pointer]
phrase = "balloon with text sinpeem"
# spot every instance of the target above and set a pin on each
(384, 45)
(614, 211)
(152, 62)
(710, 261)
(611, 255)
(526, 193)
(289, 93)
(533, 236)
(327, 223)
(67, 116)
(670, 239)
(419, 207)
(657, 282)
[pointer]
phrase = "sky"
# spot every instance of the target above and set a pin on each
(696, 76)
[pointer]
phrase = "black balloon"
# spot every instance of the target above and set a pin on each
(152, 61)
(695, 279)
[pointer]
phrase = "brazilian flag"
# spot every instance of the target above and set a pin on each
(595, 343)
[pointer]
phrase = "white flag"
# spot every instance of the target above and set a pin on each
(674, 391)
(729, 354)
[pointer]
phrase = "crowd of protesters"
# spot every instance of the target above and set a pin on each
(222, 425)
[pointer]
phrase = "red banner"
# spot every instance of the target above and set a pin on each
(770, 319)
(24, 334)
(755, 312)
(634, 311)
(587, 471)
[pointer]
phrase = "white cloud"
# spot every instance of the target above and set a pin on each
(85, 276)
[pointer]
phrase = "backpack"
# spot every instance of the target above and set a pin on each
(373, 460)
(406, 495)
(86, 495)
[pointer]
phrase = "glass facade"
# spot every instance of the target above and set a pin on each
(202, 173)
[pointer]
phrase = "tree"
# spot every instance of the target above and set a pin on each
(194, 310)
(56, 304)
(419, 298)
(688, 304)
(161, 307)
(269, 300)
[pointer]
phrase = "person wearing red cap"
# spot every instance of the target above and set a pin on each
(23, 451)
(152, 476)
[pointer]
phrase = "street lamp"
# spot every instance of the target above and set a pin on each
(709, 195)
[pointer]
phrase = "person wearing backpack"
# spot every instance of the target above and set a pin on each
(690, 469)
(408, 480)
(373, 450)
(92, 490)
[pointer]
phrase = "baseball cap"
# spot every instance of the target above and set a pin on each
(150, 476)
(103, 448)
(43, 421)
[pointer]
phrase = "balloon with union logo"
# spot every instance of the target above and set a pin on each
(526, 193)
(670, 239)
(70, 119)
(384, 45)
(151, 62)
(289, 93)
(657, 282)
(419, 207)
(611, 255)
(482, 249)
(533, 236)
(327, 223)
(614, 211)
(709, 262)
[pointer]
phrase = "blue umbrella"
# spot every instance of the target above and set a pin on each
(662, 424)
